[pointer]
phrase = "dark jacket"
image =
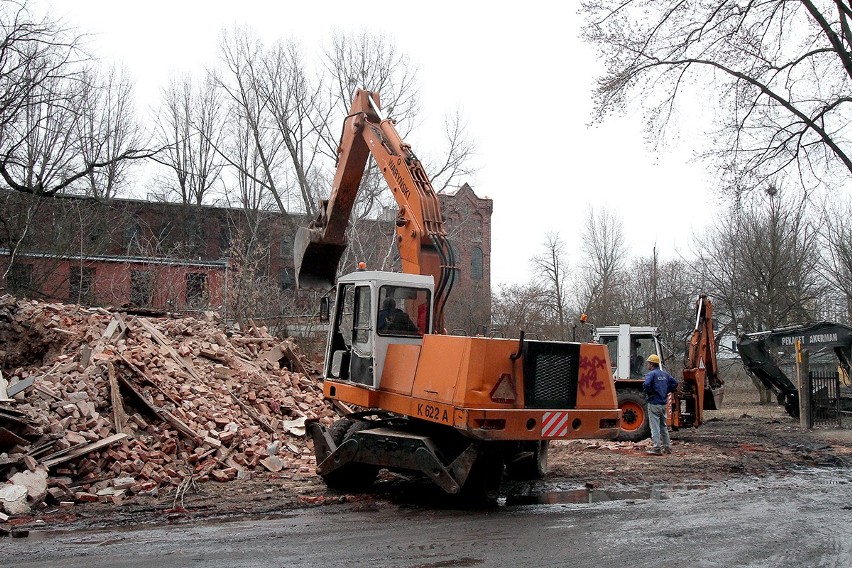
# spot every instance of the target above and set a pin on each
(658, 384)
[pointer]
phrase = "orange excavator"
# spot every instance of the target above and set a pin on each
(702, 388)
(459, 410)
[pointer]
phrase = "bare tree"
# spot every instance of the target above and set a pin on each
(760, 262)
(368, 61)
(373, 62)
(251, 291)
(524, 307)
(458, 154)
(778, 71)
(467, 312)
(245, 189)
(243, 82)
(662, 293)
(601, 281)
(107, 129)
(295, 112)
(189, 131)
(42, 101)
(552, 271)
(835, 237)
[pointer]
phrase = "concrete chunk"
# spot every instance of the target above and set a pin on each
(34, 481)
(14, 499)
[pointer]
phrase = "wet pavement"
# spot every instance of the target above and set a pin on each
(798, 520)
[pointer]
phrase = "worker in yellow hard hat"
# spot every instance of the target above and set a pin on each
(658, 384)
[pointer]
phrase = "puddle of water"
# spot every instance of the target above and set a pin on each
(577, 496)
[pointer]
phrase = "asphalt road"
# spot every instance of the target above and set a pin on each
(799, 520)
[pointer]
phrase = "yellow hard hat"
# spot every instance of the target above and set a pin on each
(653, 358)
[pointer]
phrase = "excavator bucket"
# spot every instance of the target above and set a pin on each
(315, 262)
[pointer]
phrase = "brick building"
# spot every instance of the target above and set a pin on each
(468, 221)
(180, 257)
(129, 253)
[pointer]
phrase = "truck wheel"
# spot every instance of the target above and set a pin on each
(352, 475)
(338, 430)
(482, 486)
(529, 463)
(634, 416)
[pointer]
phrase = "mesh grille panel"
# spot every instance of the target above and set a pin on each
(550, 374)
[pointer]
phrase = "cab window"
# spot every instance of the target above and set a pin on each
(403, 311)
(640, 350)
(362, 324)
(612, 346)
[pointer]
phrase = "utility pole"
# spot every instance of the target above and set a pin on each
(655, 315)
(804, 380)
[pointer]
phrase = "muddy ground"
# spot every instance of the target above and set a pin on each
(744, 439)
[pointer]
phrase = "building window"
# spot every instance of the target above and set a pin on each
(141, 287)
(224, 240)
(20, 278)
(286, 279)
(286, 250)
(81, 284)
(195, 238)
(164, 238)
(476, 228)
(476, 263)
(196, 289)
(132, 234)
(99, 232)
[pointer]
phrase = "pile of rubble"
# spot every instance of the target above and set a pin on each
(95, 405)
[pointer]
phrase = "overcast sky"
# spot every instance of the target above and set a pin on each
(522, 77)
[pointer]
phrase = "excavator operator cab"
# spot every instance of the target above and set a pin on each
(373, 310)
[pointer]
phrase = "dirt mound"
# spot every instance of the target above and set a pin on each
(107, 404)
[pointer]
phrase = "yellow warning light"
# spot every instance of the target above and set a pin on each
(362, 265)
(582, 318)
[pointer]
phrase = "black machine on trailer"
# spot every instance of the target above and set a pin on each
(770, 356)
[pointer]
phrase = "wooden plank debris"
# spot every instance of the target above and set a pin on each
(64, 451)
(158, 337)
(84, 450)
(148, 380)
(9, 415)
(176, 380)
(251, 412)
(119, 417)
(161, 413)
(8, 438)
(20, 386)
(85, 356)
(247, 340)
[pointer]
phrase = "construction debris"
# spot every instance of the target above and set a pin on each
(99, 405)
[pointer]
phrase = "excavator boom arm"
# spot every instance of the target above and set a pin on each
(421, 236)
(702, 345)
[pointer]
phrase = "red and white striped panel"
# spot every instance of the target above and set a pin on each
(554, 424)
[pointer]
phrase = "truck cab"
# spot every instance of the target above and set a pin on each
(373, 310)
(629, 347)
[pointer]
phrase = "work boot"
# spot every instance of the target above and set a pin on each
(667, 450)
(655, 452)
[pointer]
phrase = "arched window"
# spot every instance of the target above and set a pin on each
(476, 263)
